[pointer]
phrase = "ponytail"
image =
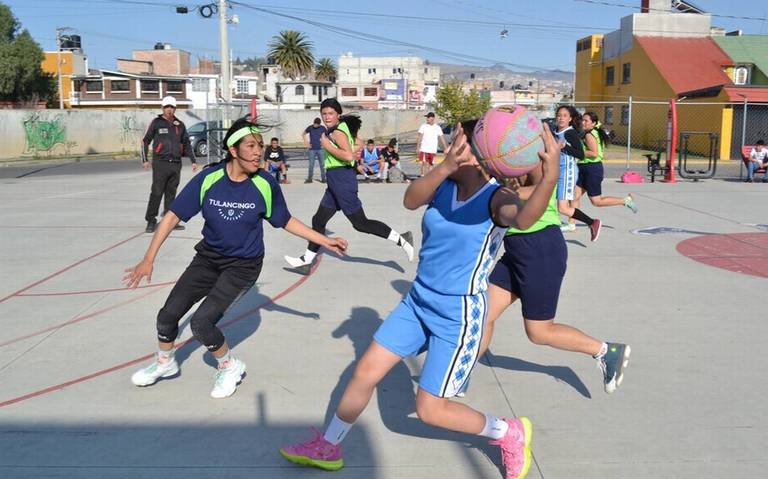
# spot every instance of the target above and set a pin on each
(602, 135)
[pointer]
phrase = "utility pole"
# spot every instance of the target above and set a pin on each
(58, 64)
(226, 79)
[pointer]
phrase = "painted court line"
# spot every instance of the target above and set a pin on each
(124, 365)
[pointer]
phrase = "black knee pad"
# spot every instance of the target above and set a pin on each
(205, 331)
(359, 221)
(167, 327)
(320, 219)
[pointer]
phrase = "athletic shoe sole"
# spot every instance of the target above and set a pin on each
(307, 461)
(171, 372)
(528, 428)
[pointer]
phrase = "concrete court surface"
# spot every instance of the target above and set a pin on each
(692, 404)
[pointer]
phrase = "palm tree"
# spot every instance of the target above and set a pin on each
(324, 70)
(293, 52)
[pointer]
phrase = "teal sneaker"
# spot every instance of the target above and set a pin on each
(567, 227)
(629, 202)
(612, 365)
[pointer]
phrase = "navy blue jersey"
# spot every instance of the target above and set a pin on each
(233, 211)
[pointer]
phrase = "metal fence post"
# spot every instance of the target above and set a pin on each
(629, 132)
(743, 136)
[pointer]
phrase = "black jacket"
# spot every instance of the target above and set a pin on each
(170, 141)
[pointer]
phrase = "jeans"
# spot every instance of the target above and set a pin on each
(751, 168)
(165, 181)
(316, 154)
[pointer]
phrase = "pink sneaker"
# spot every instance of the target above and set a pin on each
(516, 447)
(316, 452)
(594, 229)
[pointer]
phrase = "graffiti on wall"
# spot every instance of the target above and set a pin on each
(130, 133)
(46, 135)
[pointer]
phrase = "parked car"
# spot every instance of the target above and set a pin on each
(198, 135)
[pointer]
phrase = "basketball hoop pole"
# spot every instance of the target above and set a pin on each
(671, 141)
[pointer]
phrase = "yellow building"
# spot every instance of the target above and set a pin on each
(651, 59)
(70, 63)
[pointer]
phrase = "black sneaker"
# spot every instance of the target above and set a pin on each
(151, 225)
(179, 227)
(307, 181)
(612, 364)
(406, 242)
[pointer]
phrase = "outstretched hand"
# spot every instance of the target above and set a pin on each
(550, 157)
(459, 153)
(135, 274)
(337, 245)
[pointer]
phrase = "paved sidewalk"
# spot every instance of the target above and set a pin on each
(692, 404)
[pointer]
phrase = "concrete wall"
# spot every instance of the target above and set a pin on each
(51, 133)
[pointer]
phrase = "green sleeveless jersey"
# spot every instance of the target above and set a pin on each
(333, 162)
(550, 217)
(599, 156)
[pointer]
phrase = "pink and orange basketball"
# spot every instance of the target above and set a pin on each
(506, 141)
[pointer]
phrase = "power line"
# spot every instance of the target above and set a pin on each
(635, 7)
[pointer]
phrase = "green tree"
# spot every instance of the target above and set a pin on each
(293, 52)
(21, 76)
(454, 105)
(325, 70)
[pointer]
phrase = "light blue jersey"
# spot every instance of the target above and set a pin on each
(460, 241)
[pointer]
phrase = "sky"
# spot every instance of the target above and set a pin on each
(541, 34)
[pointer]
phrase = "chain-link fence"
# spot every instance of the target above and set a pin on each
(704, 129)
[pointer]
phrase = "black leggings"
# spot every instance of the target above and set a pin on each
(358, 219)
(220, 280)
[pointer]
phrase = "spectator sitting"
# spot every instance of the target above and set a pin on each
(758, 158)
(390, 155)
(372, 162)
(274, 160)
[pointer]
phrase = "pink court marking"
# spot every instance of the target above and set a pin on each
(118, 367)
(738, 252)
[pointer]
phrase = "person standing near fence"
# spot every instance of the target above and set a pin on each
(170, 141)
(311, 138)
(426, 143)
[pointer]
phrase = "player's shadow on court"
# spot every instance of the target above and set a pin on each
(239, 322)
(560, 373)
(363, 260)
(576, 242)
(396, 393)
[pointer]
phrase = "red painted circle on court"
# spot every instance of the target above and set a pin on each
(745, 253)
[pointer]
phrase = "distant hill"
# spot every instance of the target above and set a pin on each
(463, 72)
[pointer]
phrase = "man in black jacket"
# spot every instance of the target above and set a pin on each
(170, 142)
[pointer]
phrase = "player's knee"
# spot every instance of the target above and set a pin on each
(429, 408)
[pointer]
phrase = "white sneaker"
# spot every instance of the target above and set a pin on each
(155, 371)
(407, 240)
(227, 379)
(296, 262)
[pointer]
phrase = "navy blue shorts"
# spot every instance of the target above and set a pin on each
(341, 193)
(532, 268)
(591, 178)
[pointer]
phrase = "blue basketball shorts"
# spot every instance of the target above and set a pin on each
(566, 182)
(532, 268)
(341, 193)
(450, 327)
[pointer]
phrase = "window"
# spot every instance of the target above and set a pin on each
(94, 86)
(175, 86)
(242, 87)
(299, 90)
(325, 90)
(370, 91)
(397, 70)
(349, 92)
(120, 86)
(610, 74)
(314, 89)
(741, 75)
(608, 115)
(426, 70)
(371, 71)
(150, 86)
(625, 114)
(626, 72)
(200, 84)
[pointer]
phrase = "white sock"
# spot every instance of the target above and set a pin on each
(165, 356)
(309, 256)
(224, 358)
(337, 430)
(495, 428)
(601, 353)
(394, 237)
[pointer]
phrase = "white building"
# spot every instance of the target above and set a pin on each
(387, 82)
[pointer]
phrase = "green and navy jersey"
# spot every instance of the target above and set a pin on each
(330, 160)
(550, 217)
(460, 241)
(233, 211)
(599, 157)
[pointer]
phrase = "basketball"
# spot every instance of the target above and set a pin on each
(506, 141)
